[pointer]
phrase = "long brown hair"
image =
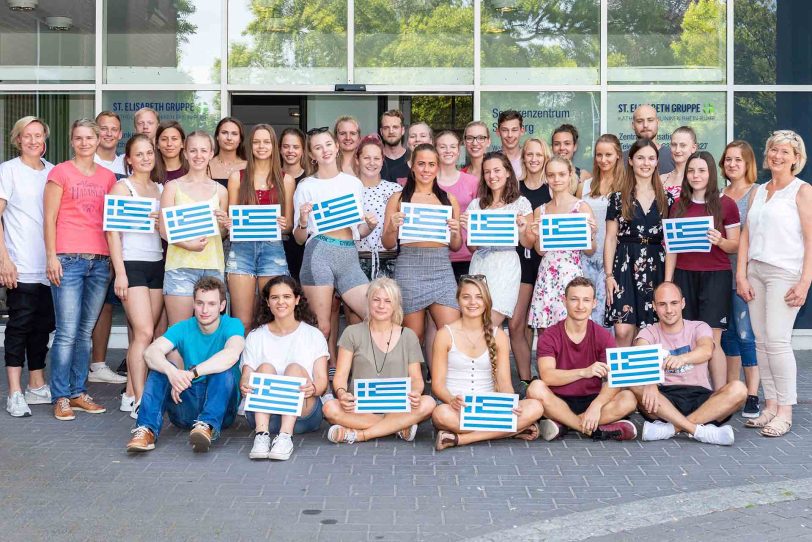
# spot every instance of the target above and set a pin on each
(411, 184)
(246, 194)
(160, 165)
(628, 186)
(713, 203)
(487, 324)
(240, 146)
(511, 191)
(618, 172)
(301, 313)
(128, 148)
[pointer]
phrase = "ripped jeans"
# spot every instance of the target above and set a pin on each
(738, 339)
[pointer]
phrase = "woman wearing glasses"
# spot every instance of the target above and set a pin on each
(774, 272)
(471, 355)
(477, 139)
(330, 259)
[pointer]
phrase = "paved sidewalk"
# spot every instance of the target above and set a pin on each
(74, 481)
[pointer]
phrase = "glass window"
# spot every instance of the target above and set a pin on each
(771, 44)
(194, 110)
(293, 42)
(414, 43)
(702, 111)
(663, 41)
(54, 43)
(543, 112)
(58, 110)
(540, 41)
(162, 41)
(758, 114)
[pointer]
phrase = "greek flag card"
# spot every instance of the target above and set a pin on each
(382, 395)
(255, 223)
(635, 365)
(336, 213)
(489, 412)
(687, 234)
(189, 221)
(275, 394)
(565, 232)
(493, 228)
(425, 222)
(129, 214)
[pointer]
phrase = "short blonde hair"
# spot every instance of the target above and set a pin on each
(794, 140)
(85, 123)
(146, 110)
(20, 125)
(390, 288)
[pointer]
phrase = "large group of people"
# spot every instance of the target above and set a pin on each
(205, 314)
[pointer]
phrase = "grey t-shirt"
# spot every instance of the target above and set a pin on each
(356, 339)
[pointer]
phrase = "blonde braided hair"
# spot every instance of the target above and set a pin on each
(487, 323)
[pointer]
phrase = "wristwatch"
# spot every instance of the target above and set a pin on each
(193, 369)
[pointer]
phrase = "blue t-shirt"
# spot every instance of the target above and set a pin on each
(195, 347)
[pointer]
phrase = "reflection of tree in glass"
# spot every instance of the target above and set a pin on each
(702, 42)
(443, 112)
(540, 33)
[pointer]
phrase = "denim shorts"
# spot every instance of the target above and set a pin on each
(304, 424)
(257, 258)
(182, 281)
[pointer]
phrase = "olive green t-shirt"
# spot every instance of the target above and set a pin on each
(356, 339)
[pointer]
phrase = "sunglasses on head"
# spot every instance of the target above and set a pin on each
(482, 278)
(316, 131)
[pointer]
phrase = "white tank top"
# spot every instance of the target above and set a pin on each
(466, 374)
(774, 227)
(141, 247)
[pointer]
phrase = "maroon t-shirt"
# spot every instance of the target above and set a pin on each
(717, 259)
(555, 343)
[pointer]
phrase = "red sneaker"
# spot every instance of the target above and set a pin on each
(620, 430)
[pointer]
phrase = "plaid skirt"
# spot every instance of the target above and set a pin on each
(425, 277)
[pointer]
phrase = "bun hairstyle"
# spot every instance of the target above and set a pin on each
(371, 139)
(487, 324)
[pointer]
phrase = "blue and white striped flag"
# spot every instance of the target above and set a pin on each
(687, 234)
(635, 365)
(275, 394)
(189, 221)
(255, 223)
(336, 213)
(565, 232)
(493, 228)
(489, 412)
(129, 214)
(382, 395)
(425, 222)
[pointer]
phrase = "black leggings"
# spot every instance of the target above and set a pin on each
(30, 321)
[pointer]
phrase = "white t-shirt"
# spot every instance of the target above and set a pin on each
(304, 346)
(116, 165)
(313, 190)
(22, 187)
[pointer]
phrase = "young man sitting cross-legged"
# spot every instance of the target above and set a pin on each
(571, 363)
(685, 402)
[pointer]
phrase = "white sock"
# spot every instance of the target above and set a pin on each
(284, 435)
(96, 365)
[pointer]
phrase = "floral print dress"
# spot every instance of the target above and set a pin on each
(557, 269)
(639, 264)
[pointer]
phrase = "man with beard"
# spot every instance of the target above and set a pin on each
(395, 162)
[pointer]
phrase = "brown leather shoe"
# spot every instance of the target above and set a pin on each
(200, 437)
(85, 403)
(62, 409)
(143, 440)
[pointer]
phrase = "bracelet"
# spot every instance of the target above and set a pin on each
(338, 390)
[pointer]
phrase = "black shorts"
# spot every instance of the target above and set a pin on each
(460, 269)
(149, 274)
(530, 266)
(707, 295)
(578, 403)
(686, 399)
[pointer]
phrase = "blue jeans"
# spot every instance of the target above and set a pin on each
(213, 400)
(738, 339)
(306, 423)
(78, 301)
(257, 258)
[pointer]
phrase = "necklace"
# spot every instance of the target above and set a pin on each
(467, 338)
(229, 168)
(385, 354)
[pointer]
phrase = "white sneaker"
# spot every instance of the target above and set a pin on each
(16, 405)
(105, 375)
(127, 402)
(262, 445)
(711, 434)
(134, 411)
(281, 448)
(658, 430)
(38, 396)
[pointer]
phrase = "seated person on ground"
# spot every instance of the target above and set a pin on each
(203, 395)
(571, 363)
(685, 402)
(285, 341)
(379, 347)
